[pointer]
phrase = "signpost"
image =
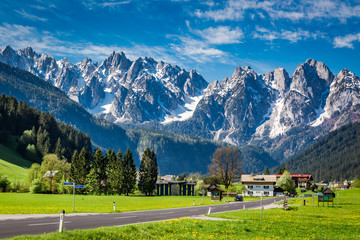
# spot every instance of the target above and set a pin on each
(74, 186)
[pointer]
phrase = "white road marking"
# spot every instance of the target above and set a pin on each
(125, 217)
(166, 213)
(41, 224)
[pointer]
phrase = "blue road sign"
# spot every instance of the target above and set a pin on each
(68, 183)
(79, 186)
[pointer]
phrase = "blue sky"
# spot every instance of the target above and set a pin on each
(212, 37)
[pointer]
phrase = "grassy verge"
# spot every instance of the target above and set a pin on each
(303, 222)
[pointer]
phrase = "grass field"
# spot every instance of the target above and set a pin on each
(26, 203)
(303, 222)
(12, 164)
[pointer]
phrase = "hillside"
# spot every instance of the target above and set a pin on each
(12, 164)
(335, 157)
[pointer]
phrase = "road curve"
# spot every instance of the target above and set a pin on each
(11, 226)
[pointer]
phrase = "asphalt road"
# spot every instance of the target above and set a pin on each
(11, 226)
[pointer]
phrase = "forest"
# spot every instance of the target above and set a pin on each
(334, 157)
(38, 133)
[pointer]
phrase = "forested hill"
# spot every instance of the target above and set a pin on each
(334, 157)
(39, 133)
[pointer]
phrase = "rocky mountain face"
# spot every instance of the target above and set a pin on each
(279, 112)
(118, 89)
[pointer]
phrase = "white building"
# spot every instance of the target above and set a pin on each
(257, 185)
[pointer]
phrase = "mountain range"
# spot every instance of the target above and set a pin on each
(279, 112)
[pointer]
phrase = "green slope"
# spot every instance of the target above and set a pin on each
(12, 164)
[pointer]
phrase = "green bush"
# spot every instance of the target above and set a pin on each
(19, 187)
(4, 184)
(37, 186)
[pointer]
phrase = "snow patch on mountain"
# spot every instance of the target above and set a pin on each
(105, 104)
(184, 112)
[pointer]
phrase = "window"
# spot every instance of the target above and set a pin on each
(266, 193)
(250, 186)
(266, 187)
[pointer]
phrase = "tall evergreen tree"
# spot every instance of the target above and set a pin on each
(80, 167)
(74, 167)
(128, 170)
(267, 171)
(148, 169)
(114, 175)
(59, 150)
(97, 177)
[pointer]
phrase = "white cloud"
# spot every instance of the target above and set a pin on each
(235, 10)
(91, 4)
(196, 50)
(292, 36)
(19, 36)
(30, 16)
(346, 41)
(221, 35)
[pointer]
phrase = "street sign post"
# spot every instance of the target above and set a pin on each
(74, 186)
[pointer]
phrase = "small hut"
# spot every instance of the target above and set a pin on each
(328, 192)
(216, 192)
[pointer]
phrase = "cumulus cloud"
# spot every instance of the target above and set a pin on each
(346, 41)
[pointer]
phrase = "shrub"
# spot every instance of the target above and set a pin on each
(37, 186)
(4, 184)
(20, 187)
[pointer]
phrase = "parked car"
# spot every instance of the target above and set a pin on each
(239, 197)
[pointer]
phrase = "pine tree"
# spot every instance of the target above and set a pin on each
(148, 172)
(97, 176)
(267, 171)
(128, 170)
(59, 151)
(114, 175)
(74, 173)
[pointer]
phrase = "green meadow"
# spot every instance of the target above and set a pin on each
(12, 164)
(301, 222)
(27, 203)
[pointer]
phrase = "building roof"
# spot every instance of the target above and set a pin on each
(175, 182)
(258, 178)
(301, 177)
(214, 187)
(50, 173)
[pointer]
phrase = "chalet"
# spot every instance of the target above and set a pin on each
(301, 180)
(177, 188)
(258, 185)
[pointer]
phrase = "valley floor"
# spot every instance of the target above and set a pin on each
(341, 221)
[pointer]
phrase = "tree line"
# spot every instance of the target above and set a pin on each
(109, 174)
(38, 133)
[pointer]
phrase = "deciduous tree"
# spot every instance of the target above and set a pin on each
(226, 164)
(286, 182)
